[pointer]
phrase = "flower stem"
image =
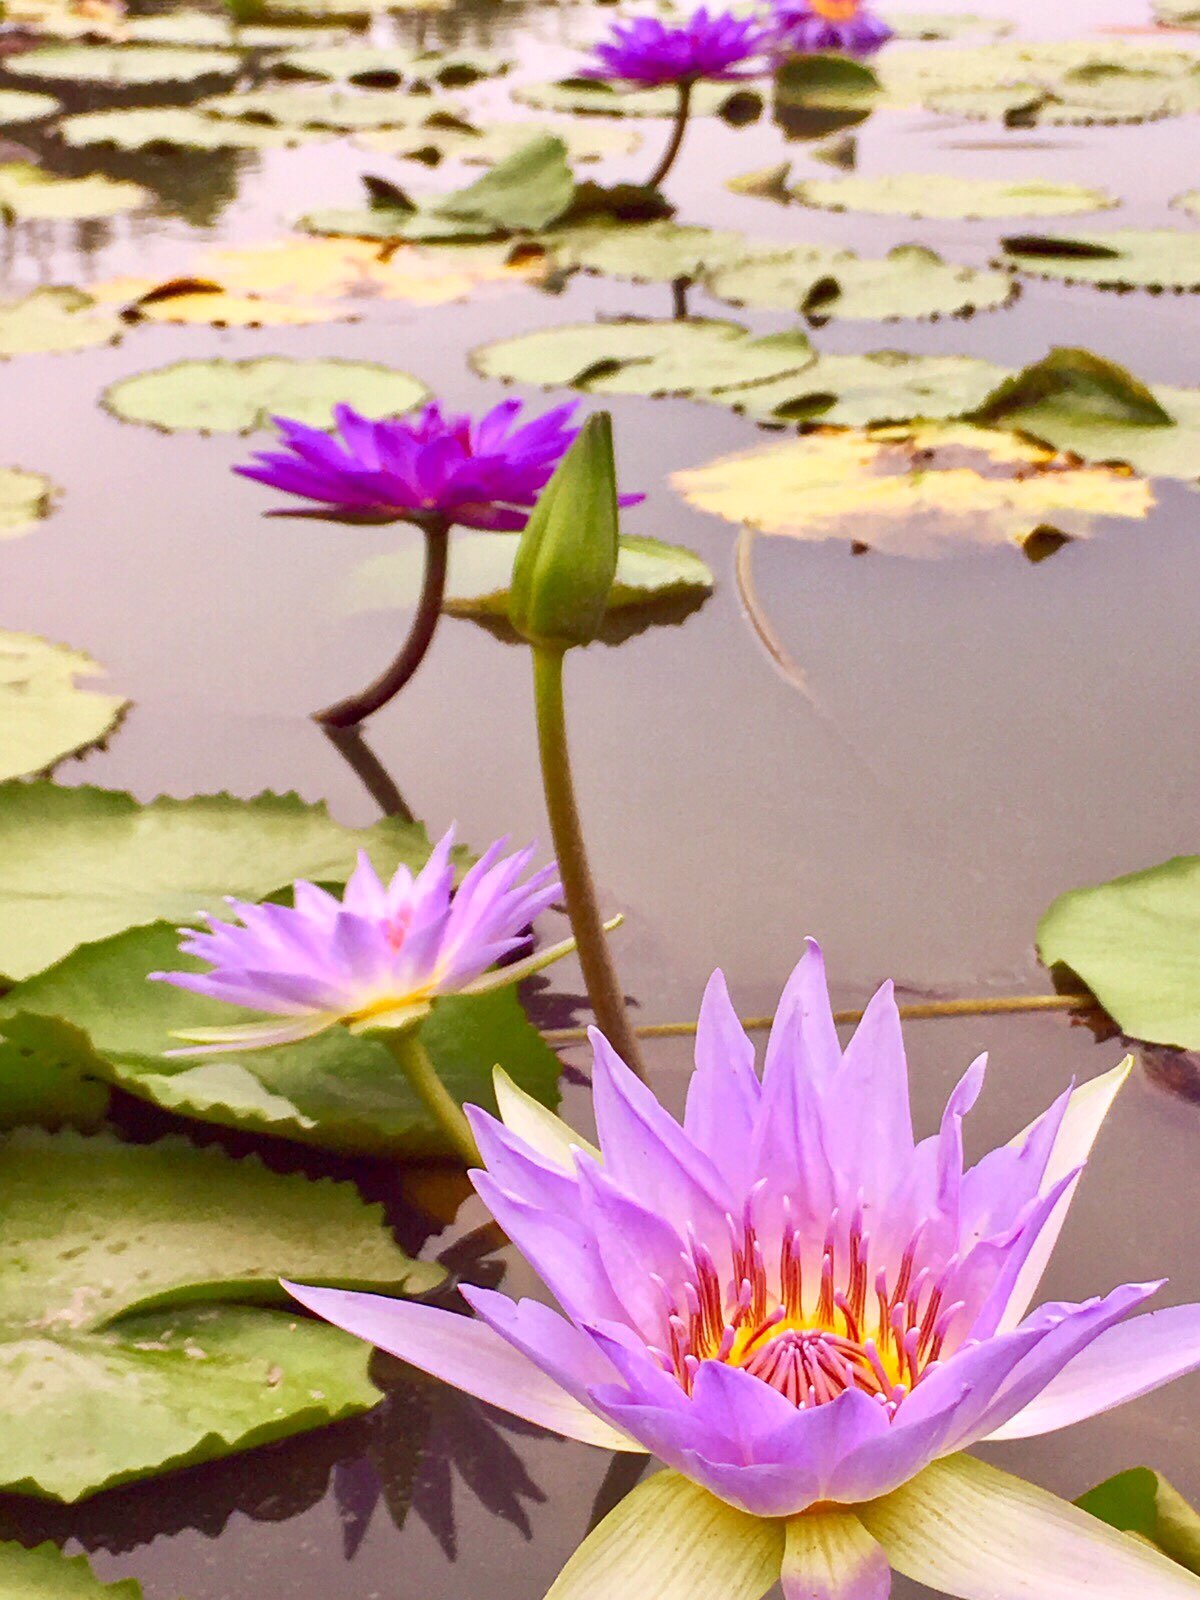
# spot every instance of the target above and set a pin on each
(604, 991)
(356, 708)
(657, 178)
(414, 1062)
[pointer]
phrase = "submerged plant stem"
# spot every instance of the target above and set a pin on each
(414, 1062)
(679, 128)
(984, 1006)
(604, 991)
(356, 708)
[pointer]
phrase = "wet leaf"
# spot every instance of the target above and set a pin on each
(45, 1573)
(46, 715)
(1149, 258)
(25, 498)
(881, 386)
(222, 396)
(82, 863)
(54, 320)
(337, 1091)
(644, 357)
(1142, 1502)
(26, 192)
(923, 194)
(589, 96)
(1135, 944)
(175, 128)
(19, 105)
(122, 66)
(923, 490)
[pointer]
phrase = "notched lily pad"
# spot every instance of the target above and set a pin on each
(924, 194)
(301, 106)
(175, 128)
(55, 321)
(588, 96)
(45, 1573)
(46, 715)
(1126, 258)
(372, 67)
(880, 386)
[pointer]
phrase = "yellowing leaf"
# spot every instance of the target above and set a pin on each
(917, 490)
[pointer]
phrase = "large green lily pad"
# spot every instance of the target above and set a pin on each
(45, 714)
(1142, 1502)
(173, 128)
(27, 193)
(593, 97)
(82, 863)
(121, 66)
(25, 499)
(1135, 944)
(20, 105)
(631, 356)
(925, 194)
(221, 396)
(1126, 258)
(880, 386)
(55, 321)
(45, 1573)
(120, 1357)
(97, 1012)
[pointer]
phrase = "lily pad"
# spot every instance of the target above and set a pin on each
(819, 283)
(1176, 13)
(25, 499)
(26, 193)
(1126, 258)
(1135, 944)
(1142, 1502)
(20, 105)
(222, 396)
(945, 25)
(45, 714)
(55, 320)
(172, 128)
(880, 386)
(631, 356)
(587, 96)
(45, 1573)
(483, 144)
(96, 1012)
(826, 82)
(121, 66)
(124, 1304)
(82, 863)
(391, 67)
(919, 490)
(649, 252)
(924, 194)
(300, 106)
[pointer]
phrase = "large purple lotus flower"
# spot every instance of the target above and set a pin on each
(431, 466)
(645, 51)
(845, 27)
(808, 1317)
(374, 960)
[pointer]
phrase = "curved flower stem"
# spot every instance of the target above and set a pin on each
(366, 766)
(985, 1006)
(356, 708)
(413, 1060)
(604, 991)
(656, 179)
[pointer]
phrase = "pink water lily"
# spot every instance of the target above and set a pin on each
(808, 1317)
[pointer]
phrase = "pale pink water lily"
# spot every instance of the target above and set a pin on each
(374, 960)
(808, 1317)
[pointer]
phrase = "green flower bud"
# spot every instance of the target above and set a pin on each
(567, 558)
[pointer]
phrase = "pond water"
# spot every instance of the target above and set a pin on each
(979, 734)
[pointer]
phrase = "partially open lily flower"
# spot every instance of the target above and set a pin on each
(808, 1317)
(374, 960)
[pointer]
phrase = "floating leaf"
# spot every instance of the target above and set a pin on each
(390, 67)
(1142, 1502)
(1135, 944)
(122, 66)
(1176, 13)
(25, 498)
(944, 24)
(45, 1573)
(26, 192)
(341, 110)
(55, 320)
(39, 1087)
(45, 715)
(590, 96)
(766, 183)
(484, 144)
(1145, 258)
(201, 301)
(910, 281)
(98, 1013)
(924, 194)
(19, 105)
(928, 489)
(826, 82)
(631, 356)
(173, 128)
(881, 386)
(1189, 202)
(222, 396)
(650, 252)
(83, 863)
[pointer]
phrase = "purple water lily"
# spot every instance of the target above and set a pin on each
(483, 473)
(651, 53)
(807, 1316)
(845, 27)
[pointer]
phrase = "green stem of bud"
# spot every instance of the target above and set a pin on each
(604, 990)
(413, 1060)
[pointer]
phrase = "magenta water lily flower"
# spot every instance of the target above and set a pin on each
(843, 27)
(648, 52)
(808, 1317)
(376, 959)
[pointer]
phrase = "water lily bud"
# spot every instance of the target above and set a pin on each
(567, 558)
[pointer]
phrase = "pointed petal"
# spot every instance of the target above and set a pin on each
(829, 1555)
(966, 1529)
(461, 1351)
(518, 971)
(1085, 1114)
(673, 1540)
(250, 1035)
(1123, 1363)
(870, 1134)
(537, 1125)
(724, 1091)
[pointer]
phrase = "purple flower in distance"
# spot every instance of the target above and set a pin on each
(645, 51)
(844, 27)
(375, 959)
(808, 1316)
(479, 474)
